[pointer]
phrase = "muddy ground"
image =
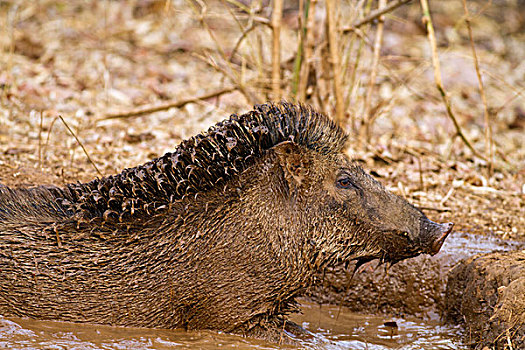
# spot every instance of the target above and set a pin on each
(487, 294)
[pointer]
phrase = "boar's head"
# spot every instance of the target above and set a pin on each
(351, 215)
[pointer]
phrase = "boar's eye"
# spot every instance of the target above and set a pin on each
(405, 234)
(345, 183)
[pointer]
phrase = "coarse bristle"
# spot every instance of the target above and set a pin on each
(200, 163)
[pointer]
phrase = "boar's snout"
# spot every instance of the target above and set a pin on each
(434, 235)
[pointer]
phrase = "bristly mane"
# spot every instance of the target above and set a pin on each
(201, 163)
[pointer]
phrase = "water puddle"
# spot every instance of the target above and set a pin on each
(468, 244)
(347, 331)
(17, 333)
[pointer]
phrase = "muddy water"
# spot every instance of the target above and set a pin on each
(462, 244)
(336, 328)
(331, 329)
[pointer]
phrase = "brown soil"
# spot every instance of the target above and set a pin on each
(487, 294)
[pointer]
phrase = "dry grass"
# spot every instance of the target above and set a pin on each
(89, 60)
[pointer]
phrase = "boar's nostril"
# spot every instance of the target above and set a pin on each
(445, 230)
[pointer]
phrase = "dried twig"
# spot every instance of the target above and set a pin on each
(336, 62)
(239, 4)
(298, 62)
(421, 182)
(240, 85)
(489, 152)
(40, 127)
(262, 20)
(44, 148)
(276, 48)
(243, 36)
(411, 75)
(81, 145)
(308, 52)
(201, 16)
(364, 131)
(230, 73)
(11, 24)
(439, 210)
(427, 20)
(173, 104)
(253, 22)
(355, 82)
(448, 195)
(518, 92)
(375, 14)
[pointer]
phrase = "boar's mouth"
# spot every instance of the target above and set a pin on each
(431, 239)
(395, 247)
(442, 233)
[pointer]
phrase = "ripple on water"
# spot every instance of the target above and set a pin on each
(331, 328)
(340, 329)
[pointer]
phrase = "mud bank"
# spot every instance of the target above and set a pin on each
(487, 294)
(412, 287)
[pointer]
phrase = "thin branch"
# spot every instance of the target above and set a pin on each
(81, 145)
(308, 51)
(375, 14)
(365, 128)
(239, 5)
(40, 127)
(439, 210)
(239, 83)
(231, 73)
(262, 20)
(276, 48)
(355, 82)
(421, 182)
(298, 62)
(489, 152)
(518, 91)
(244, 34)
(252, 23)
(427, 20)
(336, 62)
(44, 149)
(162, 107)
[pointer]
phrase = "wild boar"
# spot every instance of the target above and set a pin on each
(223, 234)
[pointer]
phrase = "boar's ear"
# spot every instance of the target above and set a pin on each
(293, 160)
